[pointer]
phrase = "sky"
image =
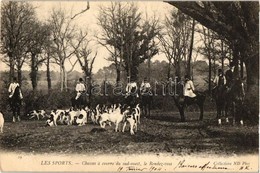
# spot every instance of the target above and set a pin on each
(88, 20)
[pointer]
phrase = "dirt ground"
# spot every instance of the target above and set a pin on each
(159, 133)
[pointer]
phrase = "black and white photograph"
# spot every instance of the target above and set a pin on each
(129, 86)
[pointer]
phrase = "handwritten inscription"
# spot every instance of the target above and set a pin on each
(151, 166)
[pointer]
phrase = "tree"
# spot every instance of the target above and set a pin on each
(39, 38)
(129, 40)
(63, 34)
(16, 21)
(238, 22)
(86, 62)
(175, 40)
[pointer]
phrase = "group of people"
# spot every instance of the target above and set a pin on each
(145, 87)
(224, 79)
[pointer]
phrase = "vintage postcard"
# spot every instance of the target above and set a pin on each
(129, 86)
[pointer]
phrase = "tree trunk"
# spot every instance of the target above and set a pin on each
(48, 73)
(33, 74)
(210, 68)
(222, 55)
(11, 72)
(169, 70)
(191, 48)
(149, 68)
(235, 61)
(177, 69)
(19, 75)
(252, 93)
(134, 70)
(61, 78)
(241, 67)
(65, 79)
(118, 75)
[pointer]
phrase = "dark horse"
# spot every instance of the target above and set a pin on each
(229, 100)
(79, 103)
(219, 94)
(146, 102)
(235, 99)
(15, 103)
(182, 101)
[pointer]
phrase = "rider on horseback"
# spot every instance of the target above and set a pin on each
(145, 87)
(80, 88)
(219, 79)
(230, 75)
(131, 92)
(12, 87)
(189, 87)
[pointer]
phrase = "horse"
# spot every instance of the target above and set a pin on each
(15, 103)
(219, 94)
(235, 99)
(78, 104)
(182, 101)
(146, 102)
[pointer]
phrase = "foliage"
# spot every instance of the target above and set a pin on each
(129, 40)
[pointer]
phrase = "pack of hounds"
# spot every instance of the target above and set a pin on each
(100, 115)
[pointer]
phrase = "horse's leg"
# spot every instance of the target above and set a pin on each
(201, 112)
(226, 112)
(149, 109)
(145, 110)
(234, 113)
(18, 112)
(14, 113)
(200, 104)
(219, 114)
(181, 110)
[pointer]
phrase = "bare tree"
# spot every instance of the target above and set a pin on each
(175, 40)
(39, 38)
(64, 33)
(86, 61)
(16, 20)
(129, 40)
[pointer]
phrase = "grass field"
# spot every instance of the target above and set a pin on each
(160, 133)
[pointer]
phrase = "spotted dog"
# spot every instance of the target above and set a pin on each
(37, 113)
(56, 116)
(120, 114)
(131, 118)
(81, 118)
